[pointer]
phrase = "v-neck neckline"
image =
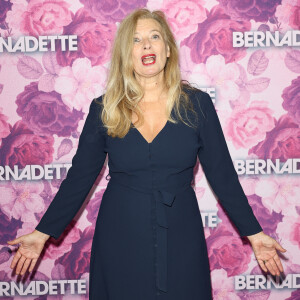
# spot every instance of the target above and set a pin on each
(155, 138)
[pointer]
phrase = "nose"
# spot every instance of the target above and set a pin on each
(147, 44)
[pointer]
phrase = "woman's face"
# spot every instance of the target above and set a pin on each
(150, 52)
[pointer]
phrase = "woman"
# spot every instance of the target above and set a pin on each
(149, 240)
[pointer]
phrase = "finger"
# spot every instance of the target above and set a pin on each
(269, 265)
(262, 265)
(15, 241)
(275, 267)
(25, 266)
(278, 262)
(15, 259)
(20, 264)
(33, 262)
(279, 247)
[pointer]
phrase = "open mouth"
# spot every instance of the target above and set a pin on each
(148, 59)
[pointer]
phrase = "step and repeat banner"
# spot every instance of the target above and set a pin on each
(54, 57)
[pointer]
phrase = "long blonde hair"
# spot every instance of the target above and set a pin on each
(123, 91)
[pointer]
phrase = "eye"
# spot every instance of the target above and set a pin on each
(136, 40)
(155, 36)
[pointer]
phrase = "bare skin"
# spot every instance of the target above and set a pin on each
(265, 250)
(148, 39)
(31, 246)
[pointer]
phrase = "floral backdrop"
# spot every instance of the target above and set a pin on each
(44, 100)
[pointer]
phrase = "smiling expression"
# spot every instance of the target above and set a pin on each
(150, 52)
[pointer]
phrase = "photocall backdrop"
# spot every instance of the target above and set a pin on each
(54, 57)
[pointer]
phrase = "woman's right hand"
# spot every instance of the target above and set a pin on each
(29, 251)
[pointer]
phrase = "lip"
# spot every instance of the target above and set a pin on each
(150, 54)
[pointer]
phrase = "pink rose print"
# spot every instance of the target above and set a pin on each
(222, 286)
(45, 17)
(291, 97)
(294, 21)
(257, 10)
(94, 40)
(289, 229)
(45, 113)
(4, 126)
(184, 16)
(23, 148)
(226, 251)
(247, 125)
(281, 142)
(214, 36)
(111, 11)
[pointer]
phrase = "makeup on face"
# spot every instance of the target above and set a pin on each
(148, 59)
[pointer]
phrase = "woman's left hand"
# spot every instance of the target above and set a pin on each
(265, 249)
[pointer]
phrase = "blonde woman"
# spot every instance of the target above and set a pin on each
(149, 240)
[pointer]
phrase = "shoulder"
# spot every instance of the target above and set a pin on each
(94, 115)
(97, 103)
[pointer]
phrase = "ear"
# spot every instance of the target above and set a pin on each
(168, 51)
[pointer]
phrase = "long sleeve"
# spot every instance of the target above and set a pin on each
(86, 165)
(219, 170)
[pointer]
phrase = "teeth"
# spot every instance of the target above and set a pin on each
(149, 58)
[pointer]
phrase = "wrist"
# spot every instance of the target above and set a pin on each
(42, 235)
(252, 237)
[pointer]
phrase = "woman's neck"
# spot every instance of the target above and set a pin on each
(154, 88)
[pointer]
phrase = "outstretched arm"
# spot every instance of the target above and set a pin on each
(219, 170)
(86, 165)
(218, 167)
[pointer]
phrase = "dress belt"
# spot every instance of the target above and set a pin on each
(162, 198)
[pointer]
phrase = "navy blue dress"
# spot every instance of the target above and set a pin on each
(149, 239)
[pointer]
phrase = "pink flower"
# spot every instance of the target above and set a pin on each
(281, 142)
(289, 229)
(259, 11)
(15, 16)
(45, 113)
(5, 128)
(284, 13)
(227, 251)
(215, 72)
(294, 20)
(184, 16)
(94, 39)
(79, 84)
(21, 199)
(111, 11)
(214, 36)
(23, 148)
(279, 194)
(45, 17)
(222, 286)
(247, 125)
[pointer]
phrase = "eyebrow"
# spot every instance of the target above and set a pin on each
(151, 31)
